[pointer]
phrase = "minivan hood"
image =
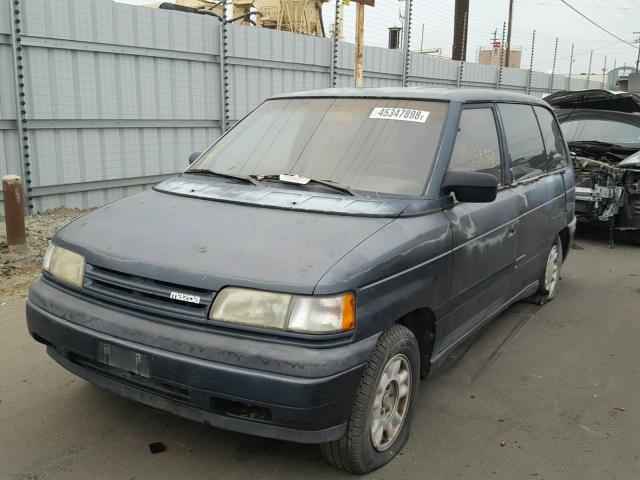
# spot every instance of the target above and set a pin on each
(211, 244)
(595, 99)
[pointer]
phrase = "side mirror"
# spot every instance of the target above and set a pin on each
(193, 157)
(474, 187)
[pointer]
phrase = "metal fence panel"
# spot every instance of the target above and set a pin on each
(426, 70)
(482, 76)
(265, 62)
(118, 96)
(115, 92)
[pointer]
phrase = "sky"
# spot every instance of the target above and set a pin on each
(432, 27)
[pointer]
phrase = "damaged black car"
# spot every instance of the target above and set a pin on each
(602, 129)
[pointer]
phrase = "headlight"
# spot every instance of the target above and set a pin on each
(285, 312)
(64, 265)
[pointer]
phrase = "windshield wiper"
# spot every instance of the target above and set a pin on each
(302, 181)
(206, 171)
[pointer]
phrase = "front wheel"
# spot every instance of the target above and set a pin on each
(379, 423)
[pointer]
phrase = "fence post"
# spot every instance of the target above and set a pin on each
(13, 196)
(570, 67)
(333, 67)
(533, 46)
(499, 79)
(589, 71)
(406, 58)
(553, 68)
(224, 75)
(15, 7)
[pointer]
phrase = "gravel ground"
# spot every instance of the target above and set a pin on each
(19, 269)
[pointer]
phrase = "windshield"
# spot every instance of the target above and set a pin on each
(376, 145)
(600, 130)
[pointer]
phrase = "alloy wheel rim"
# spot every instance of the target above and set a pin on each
(391, 402)
(553, 270)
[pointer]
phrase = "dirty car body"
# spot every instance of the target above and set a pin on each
(602, 128)
(257, 290)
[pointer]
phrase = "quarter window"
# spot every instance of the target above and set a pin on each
(477, 148)
(553, 141)
(526, 150)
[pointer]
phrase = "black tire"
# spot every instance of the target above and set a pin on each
(635, 237)
(547, 292)
(354, 452)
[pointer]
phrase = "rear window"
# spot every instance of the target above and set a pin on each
(553, 141)
(524, 143)
(374, 145)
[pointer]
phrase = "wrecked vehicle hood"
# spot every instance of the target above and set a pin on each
(595, 99)
(631, 162)
(210, 244)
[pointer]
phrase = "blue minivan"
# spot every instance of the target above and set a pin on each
(303, 274)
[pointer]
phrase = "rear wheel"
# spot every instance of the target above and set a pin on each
(549, 282)
(635, 237)
(378, 427)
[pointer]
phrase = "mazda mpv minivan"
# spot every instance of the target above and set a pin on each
(319, 259)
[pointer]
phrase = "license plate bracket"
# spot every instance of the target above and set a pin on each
(123, 359)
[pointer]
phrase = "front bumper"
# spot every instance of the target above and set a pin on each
(288, 392)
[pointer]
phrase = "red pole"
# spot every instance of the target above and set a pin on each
(13, 197)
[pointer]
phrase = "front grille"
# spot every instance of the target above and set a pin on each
(145, 295)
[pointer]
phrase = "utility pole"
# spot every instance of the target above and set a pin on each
(422, 39)
(459, 49)
(359, 68)
(359, 45)
(604, 70)
(508, 50)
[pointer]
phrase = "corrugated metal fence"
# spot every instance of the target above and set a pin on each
(99, 99)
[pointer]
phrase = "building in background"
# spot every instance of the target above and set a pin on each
(491, 55)
(298, 16)
(617, 79)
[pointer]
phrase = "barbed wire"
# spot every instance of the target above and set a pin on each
(432, 28)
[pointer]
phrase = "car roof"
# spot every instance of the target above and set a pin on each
(462, 95)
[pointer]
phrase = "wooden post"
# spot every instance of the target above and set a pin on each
(359, 45)
(14, 211)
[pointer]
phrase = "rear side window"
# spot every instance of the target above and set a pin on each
(524, 142)
(552, 137)
(477, 148)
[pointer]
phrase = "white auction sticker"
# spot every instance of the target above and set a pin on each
(405, 114)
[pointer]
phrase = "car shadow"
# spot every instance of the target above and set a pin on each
(600, 234)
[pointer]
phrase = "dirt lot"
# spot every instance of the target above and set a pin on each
(543, 393)
(19, 269)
